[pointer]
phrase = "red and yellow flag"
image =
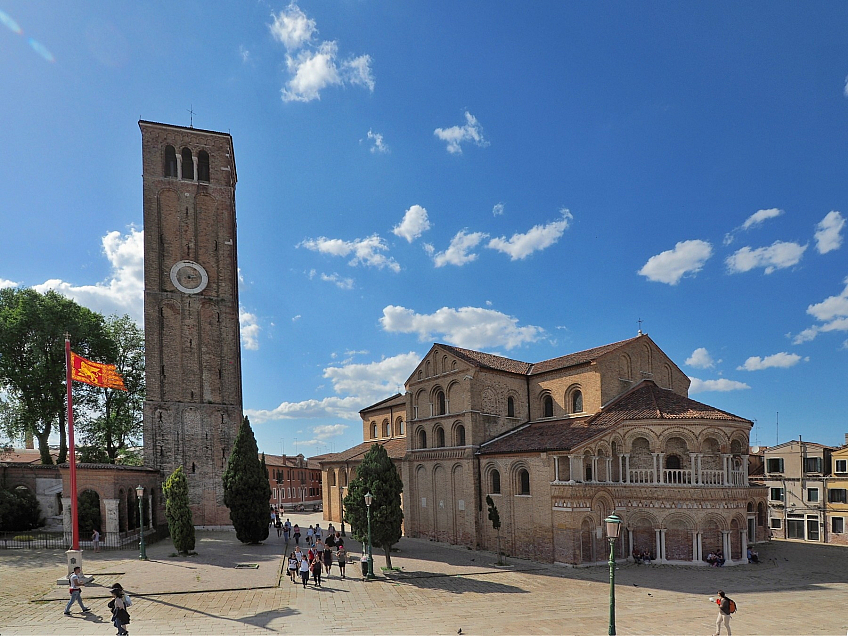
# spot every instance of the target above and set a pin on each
(95, 373)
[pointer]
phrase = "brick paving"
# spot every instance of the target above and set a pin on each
(798, 589)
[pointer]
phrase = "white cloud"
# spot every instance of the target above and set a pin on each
(845, 90)
(760, 216)
(379, 146)
(469, 327)
(832, 311)
(296, 318)
(829, 232)
(357, 386)
(292, 27)
(779, 255)
(700, 359)
(723, 384)
(249, 330)
(123, 291)
(415, 222)
(314, 67)
(245, 54)
(326, 431)
(670, 266)
(357, 71)
(338, 281)
(780, 360)
(498, 209)
(7, 283)
(472, 132)
(459, 250)
(367, 251)
(520, 246)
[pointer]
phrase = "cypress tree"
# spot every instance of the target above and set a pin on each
(378, 475)
(247, 491)
(177, 511)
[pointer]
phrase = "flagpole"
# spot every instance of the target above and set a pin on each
(71, 450)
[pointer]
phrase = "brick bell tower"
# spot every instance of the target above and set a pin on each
(193, 406)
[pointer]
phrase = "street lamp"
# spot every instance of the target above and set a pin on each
(341, 507)
(613, 523)
(368, 499)
(139, 491)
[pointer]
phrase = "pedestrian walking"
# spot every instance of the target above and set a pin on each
(287, 530)
(341, 557)
(120, 615)
(292, 567)
(304, 572)
(316, 571)
(310, 535)
(296, 534)
(726, 607)
(328, 558)
(75, 584)
(279, 525)
(319, 534)
(95, 539)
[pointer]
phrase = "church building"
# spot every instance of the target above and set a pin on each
(561, 444)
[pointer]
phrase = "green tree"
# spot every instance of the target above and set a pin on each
(247, 491)
(32, 361)
(19, 509)
(178, 512)
(495, 518)
(112, 419)
(378, 475)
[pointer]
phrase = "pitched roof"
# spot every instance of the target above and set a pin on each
(499, 363)
(645, 401)
(573, 359)
(395, 448)
(385, 402)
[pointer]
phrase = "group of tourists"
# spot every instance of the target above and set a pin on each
(715, 559)
(644, 556)
(317, 558)
(118, 605)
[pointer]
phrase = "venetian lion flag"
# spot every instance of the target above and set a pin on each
(95, 373)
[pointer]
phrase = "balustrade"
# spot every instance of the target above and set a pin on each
(677, 476)
(712, 477)
(641, 476)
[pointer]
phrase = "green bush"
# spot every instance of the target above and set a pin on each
(178, 512)
(19, 510)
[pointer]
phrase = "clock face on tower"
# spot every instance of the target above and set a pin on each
(189, 277)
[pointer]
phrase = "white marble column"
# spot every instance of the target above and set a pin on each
(626, 479)
(694, 534)
(194, 165)
(654, 465)
(692, 458)
(179, 166)
(724, 463)
(745, 470)
(657, 537)
(556, 468)
(609, 468)
(594, 468)
(630, 545)
(700, 544)
(112, 527)
(725, 549)
(744, 536)
(572, 463)
(663, 559)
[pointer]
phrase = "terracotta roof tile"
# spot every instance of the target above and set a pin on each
(395, 448)
(488, 360)
(397, 396)
(573, 359)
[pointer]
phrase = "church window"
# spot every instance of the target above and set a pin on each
(374, 430)
(440, 437)
(577, 402)
(672, 462)
(523, 482)
(188, 165)
(170, 161)
(460, 435)
(440, 402)
(193, 468)
(203, 166)
(548, 406)
(422, 439)
(399, 426)
(496, 482)
(510, 407)
(386, 432)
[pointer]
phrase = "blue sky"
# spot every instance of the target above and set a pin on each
(523, 179)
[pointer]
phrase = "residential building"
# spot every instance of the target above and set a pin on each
(837, 496)
(796, 476)
(295, 481)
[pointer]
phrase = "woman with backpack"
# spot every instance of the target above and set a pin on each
(726, 607)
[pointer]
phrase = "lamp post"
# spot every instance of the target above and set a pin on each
(139, 491)
(613, 523)
(341, 507)
(368, 499)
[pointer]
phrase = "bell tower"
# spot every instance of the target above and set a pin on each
(193, 405)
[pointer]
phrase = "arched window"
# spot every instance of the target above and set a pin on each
(203, 166)
(523, 482)
(399, 426)
(170, 161)
(496, 482)
(460, 435)
(331, 477)
(577, 402)
(440, 403)
(548, 406)
(672, 462)
(422, 438)
(510, 407)
(373, 430)
(440, 437)
(188, 165)
(386, 431)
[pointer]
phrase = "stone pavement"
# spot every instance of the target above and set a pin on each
(798, 589)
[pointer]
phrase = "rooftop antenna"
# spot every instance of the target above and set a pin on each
(191, 116)
(640, 326)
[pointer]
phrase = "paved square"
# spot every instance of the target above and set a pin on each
(798, 589)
